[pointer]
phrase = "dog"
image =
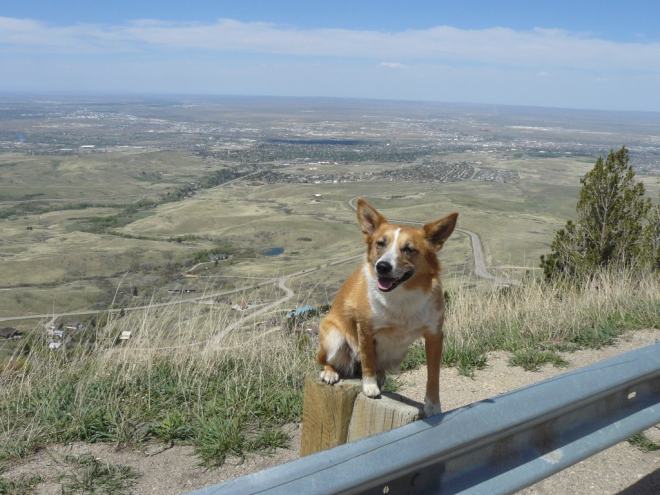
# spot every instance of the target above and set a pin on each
(390, 301)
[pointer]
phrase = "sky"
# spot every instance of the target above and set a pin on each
(572, 54)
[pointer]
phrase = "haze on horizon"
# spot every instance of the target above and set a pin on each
(550, 54)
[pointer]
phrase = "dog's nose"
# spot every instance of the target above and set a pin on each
(383, 267)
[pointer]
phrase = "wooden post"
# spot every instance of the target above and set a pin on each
(371, 416)
(336, 414)
(327, 411)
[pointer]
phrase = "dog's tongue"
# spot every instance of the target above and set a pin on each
(385, 283)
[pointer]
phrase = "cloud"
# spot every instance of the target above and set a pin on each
(392, 65)
(551, 48)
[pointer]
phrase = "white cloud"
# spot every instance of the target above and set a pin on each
(551, 48)
(392, 65)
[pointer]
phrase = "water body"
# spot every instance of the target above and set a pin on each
(274, 251)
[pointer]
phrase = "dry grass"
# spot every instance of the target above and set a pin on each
(554, 315)
(541, 318)
(173, 382)
(166, 382)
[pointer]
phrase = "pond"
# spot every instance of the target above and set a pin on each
(274, 251)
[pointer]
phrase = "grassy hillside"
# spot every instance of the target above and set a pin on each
(175, 381)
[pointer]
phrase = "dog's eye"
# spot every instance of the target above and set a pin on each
(381, 242)
(408, 249)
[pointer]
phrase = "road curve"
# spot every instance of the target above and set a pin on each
(281, 281)
(480, 269)
(288, 294)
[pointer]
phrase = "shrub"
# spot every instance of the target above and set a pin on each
(615, 225)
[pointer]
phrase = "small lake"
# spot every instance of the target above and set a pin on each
(274, 251)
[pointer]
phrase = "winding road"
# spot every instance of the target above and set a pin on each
(480, 270)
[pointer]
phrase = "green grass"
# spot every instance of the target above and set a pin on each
(93, 476)
(392, 384)
(221, 402)
(643, 443)
(534, 359)
(219, 414)
(132, 212)
(23, 485)
(415, 357)
(467, 359)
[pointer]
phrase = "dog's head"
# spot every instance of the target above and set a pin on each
(398, 253)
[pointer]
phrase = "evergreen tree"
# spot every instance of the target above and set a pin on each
(651, 242)
(613, 225)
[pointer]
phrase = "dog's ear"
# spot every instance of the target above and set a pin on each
(368, 217)
(439, 231)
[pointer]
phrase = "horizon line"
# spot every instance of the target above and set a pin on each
(137, 94)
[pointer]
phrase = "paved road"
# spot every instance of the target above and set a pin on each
(480, 269)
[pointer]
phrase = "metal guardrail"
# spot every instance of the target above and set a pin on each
(495, 446)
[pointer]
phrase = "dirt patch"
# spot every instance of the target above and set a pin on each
(620, 469)
(162, 470)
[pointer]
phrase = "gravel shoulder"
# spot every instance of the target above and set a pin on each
(622, 469)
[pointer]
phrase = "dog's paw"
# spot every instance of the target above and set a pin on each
(370, 387)
(329, 377)
(431, 408)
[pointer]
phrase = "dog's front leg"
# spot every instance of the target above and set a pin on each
(368, 360)
(433, 344)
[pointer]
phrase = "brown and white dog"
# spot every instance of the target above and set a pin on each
(394, 298)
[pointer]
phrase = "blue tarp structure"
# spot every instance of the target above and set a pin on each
(302, 311)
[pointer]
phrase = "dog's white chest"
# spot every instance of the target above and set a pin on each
(399, 318)
(411, 311)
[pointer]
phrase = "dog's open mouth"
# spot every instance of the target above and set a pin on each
(387, 284)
